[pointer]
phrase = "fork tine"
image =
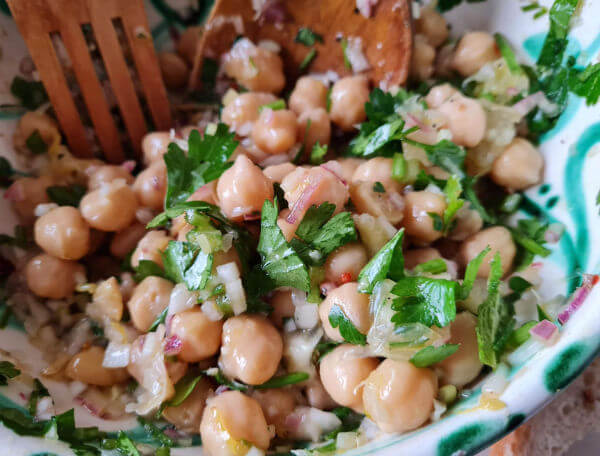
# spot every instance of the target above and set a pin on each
(118, 72)
(96, 103)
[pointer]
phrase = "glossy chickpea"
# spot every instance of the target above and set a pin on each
(240, 113)
(277, 172)
(233, 422)
(200, 336)
(107, 173)
(309, 93)
(243, 189)
(343, 372)
(126, 240)
(33, 121)
(519, 166)
(466, 120)
(155, 145)
(353, 304)
(151, 247)
(345, 263)
(378, 169)
(149, 299)
(275, 131)
(463, 366)
(348, 98)
(498, 239)
(473, 51)
(110, 208)
(251, 349)
(188, 42)
(63, 233)
(314, 127)
(438, 94)
(415, 257)
(399, 396)
(345, 167)
(187, 416)
(277, 404)
(417, 221)
(86, 367)
(26, 193)
(423, 58)
(432, 25)
(51, 277)
(174, 69)
(283, 307)
(288, 229)
(150, 186)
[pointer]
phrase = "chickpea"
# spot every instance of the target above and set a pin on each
(200, 336)
(231, 423)
(353, 304)
(149, 299)
(466, 120)
(468, 222)
(110, 208)
(378, 169)
(150, 248)
(251, 349)
(415, 257)
(439, 94)
(86, 367)
(277, 172)
(26, 193)
(155, 145)
(243, 110)
(308, 94)
(344, 167)
(345, 263)
(51, 277)
(463, 366)
(174, 69)
(317, 396)
(107, 301)
(275, 131)
(124, 241)
(417, 222)
(423, 58)
(151, 186)
(243, 189)
(176, 370)
(187, 416)
(443, 62)
(221, 257)
(288, 229)
(277, 404)
(343, 372)
(519, 166)
(498, 239)
(31, 122)
(283, 307)
(348, 98)
(314, 127)
(107, 173)
(256, 68)
(473, 51)
(432, 25)
(63, 233)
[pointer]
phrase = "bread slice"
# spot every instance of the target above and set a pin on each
(570, 417)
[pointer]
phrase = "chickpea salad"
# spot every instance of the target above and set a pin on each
(304, 265)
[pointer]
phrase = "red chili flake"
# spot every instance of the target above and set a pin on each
(345, 278)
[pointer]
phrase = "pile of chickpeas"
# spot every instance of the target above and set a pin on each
(249, 348)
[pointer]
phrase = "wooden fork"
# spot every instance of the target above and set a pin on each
(38, 20)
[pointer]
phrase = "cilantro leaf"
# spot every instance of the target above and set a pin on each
(453, 190)
(279, 260)
(7, 370)
(471, 274)
(35, 143)
(338, 319)
(22, 424)
(275, 105)
(185, 262)
(31, 94)
(206, 160)
(436, 266)
(431, 355)
(388, 262)
(318, 153)
(307, 37)
(314, 218)
(39, 391)
(66, 195)
(147, 268)
(424, 300)
(507, 54)
(378, 187)
(586, 83)
(125, 445)
(284, 380)
(447, 5)
(446, 155)
(156, 433)
(556, 41)
(529, 235)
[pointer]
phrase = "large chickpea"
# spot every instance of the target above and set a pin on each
(174, 69)
(343, 373)
(348, 98)
(283, 307)
(432, 25)
(466, 120)
(288, 229)
(155, 145)
(200, 336)
(463, 366)
(275, 131)
(309, 93)
(474, 50)
(353, 304)
(277, 172)
(149, 299)
(243, 110)
(187, 416)
(439, 94)
(251, 349)
(51, 277)
(231, 423)
(345, 263)
(110, 208)
(150, 248)
(399, 396)
(26, 193)
(107, 173)
(243, 189)
(188, 42)
(345, 167)
(313, 127)
(417, 222)
(150, 186)
(86, 367)
(498, 239)
(63, 233)
(423, 58)
(415, 257)
(277, 404)
(519, 166)
(378, 169)
(31, 122)
(125, 241)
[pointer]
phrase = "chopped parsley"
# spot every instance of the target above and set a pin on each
(7, 173)
(147, 268)
(31, 94)
(586, 83)
(387, 263)
(431, 355)
(7, 371)
(378, 187)
(307, 60)
(529, 234)
(307, 37)
(39, 391)
(338, 319)
(507, 54)
(447, 5)
(185, 262)
(66, 195)
(344, 44)
(471, 274)
(453, 190)
(35, 143)
(436, 266)
(275, 106)
(318, 153)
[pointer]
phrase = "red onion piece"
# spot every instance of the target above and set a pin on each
(330, 166)
(173, 346)
(129, 165)
(221, 389)
(274, 12)
(589, 281)
(251, 217)
(545, 332)
(14, 192)
(527, 104)
(304, 200)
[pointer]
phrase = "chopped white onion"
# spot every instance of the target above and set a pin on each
(44, 409)
(289, 325)
(526, 307)
(44, 208)
(526, 351)
(228, 272)
(439, 408)
(299, 347)
(346, 440)
(355, 54)
(229, 275)
(327, 78)
(210, 309)
(255, 452)
(181, 299)
(306, 316)
(116, 355)
(310, 423)
(497, 381)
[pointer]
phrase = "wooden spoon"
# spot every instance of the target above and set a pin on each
(386, 35)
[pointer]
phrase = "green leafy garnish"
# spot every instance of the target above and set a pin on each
(307, 60)
(125, 445)
(147, 268)
(344, 44)
(284, 380)
(556, 40)
(159, 320)
(159, 437)
(447, 5)
(471, 274)
(338, 319)
(453, 190)
(39, 391)
(307, 37)
(183, 388)
(8, 173)
(275, 105)
(519, 284)
(323, 348)
(66, 195)
(436, 266)
(31, 94)
(318, 153)
(7, 370)
(387, 263)
(507, 53)
(378, 187)
(35, 143)
(520, 335)
(446, 155)
(529, 235)
(431, 355)
(185, 262)
(586, 83)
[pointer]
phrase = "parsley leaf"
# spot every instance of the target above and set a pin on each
(206, 160)
(307, 60)
(446, 155)
(147, 268)
(157, 434)
(447, 5)
(185, 262)
(279, 260)
(586, 83)
(183, 388)
(125, 445)
(7, 370)
(35, 143)
(318, 153)
(453, 190)
(338, 319)
(388, 262)
(507, 54)
(283, 380)
(431, 355)
(556, 41)
(529, 235)
(66, 195)
(307, 37)
(275, 105)
(7, 172)
(378, 187)
(39, 391)
(22, 424)
(471, 274)
(31, 94)
(436, 266)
